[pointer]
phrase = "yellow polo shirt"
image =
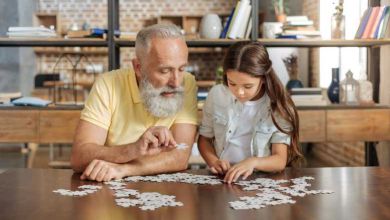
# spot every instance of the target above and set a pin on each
(114, 104)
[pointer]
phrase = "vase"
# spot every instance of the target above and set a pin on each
(294, 83)
(338, 26)
(271, 29)
(334, 87)
(210, 26)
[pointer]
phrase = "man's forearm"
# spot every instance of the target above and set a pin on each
(165, 162)
(84, 154)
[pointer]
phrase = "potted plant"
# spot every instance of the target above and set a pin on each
(280, 10)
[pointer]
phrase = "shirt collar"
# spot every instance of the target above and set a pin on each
(135, 94)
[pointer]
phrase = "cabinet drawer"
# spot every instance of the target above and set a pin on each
(19, 126)
(58, 126)
(312, 125)
(358, 125)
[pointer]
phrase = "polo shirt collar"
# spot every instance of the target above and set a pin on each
(134, 88)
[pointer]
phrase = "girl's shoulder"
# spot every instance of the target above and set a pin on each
(219, 89)
(219, 96)
(219, 92)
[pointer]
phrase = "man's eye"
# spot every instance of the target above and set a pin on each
(248, 87)
(232, 84)
(164, 71)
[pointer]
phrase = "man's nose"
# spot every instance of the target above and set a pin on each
(175, 79)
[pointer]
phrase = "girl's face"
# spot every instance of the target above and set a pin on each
(244, 86)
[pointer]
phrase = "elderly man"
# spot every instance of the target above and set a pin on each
(133, 119)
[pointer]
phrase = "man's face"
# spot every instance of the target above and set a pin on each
(160, 75)
(165, 63)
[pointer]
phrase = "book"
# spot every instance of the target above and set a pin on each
(376, 23)
(297, 18)
(226, 27)
(384, 24)
(363, 23)
(248, 29)
(307, 33)
(7, 97)
(300, 23)
(29, 29)
(306, 92)
(238, 19)
(244, 23)
(236, 9)
(93, 32)
(370, 23)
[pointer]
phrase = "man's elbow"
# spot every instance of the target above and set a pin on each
(181, 164)
(75, 163)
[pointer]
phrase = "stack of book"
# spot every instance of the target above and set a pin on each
(239, 22)
(93, 33)
(297, 27)
(7, 97)
(308, 97)
(35, 32)
(374, 23)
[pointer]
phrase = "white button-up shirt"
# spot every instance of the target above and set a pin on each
(220, 120)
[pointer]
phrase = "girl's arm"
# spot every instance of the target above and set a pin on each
(276, 162)
(208, 153)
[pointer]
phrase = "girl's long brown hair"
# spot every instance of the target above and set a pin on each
(252, 58)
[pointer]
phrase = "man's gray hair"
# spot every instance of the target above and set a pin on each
(144, 36)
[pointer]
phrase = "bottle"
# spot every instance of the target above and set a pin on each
(365, 91)
(349, 90)
(334, 87)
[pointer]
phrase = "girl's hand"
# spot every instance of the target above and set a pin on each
(244, 168)
(219, 167)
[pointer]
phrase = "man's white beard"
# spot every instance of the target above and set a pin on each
(158, 105)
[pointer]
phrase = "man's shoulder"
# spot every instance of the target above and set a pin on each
(116, 74)
(189, 79)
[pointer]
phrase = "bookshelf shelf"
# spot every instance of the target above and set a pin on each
(323, 43)
(190, 42)
(51, 42)
(276, 42)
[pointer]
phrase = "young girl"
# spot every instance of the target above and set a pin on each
(249, 123)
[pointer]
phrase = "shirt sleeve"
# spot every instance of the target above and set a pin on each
(206, 128)
(189, 113)
(97, 106)
(278, 137)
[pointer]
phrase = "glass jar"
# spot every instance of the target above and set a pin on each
(349, 90)
(338, 26)
(365, 92)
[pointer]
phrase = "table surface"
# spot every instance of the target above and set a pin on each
(359, 193)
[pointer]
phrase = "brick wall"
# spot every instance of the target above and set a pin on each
(134, 15)
(334, 154)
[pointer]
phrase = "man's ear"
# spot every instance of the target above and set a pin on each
(137, 67)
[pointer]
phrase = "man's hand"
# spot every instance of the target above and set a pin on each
(244, 168)
(101, 170)
(155, 140)
(219, 166)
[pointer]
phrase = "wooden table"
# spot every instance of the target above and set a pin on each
(360, 193)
